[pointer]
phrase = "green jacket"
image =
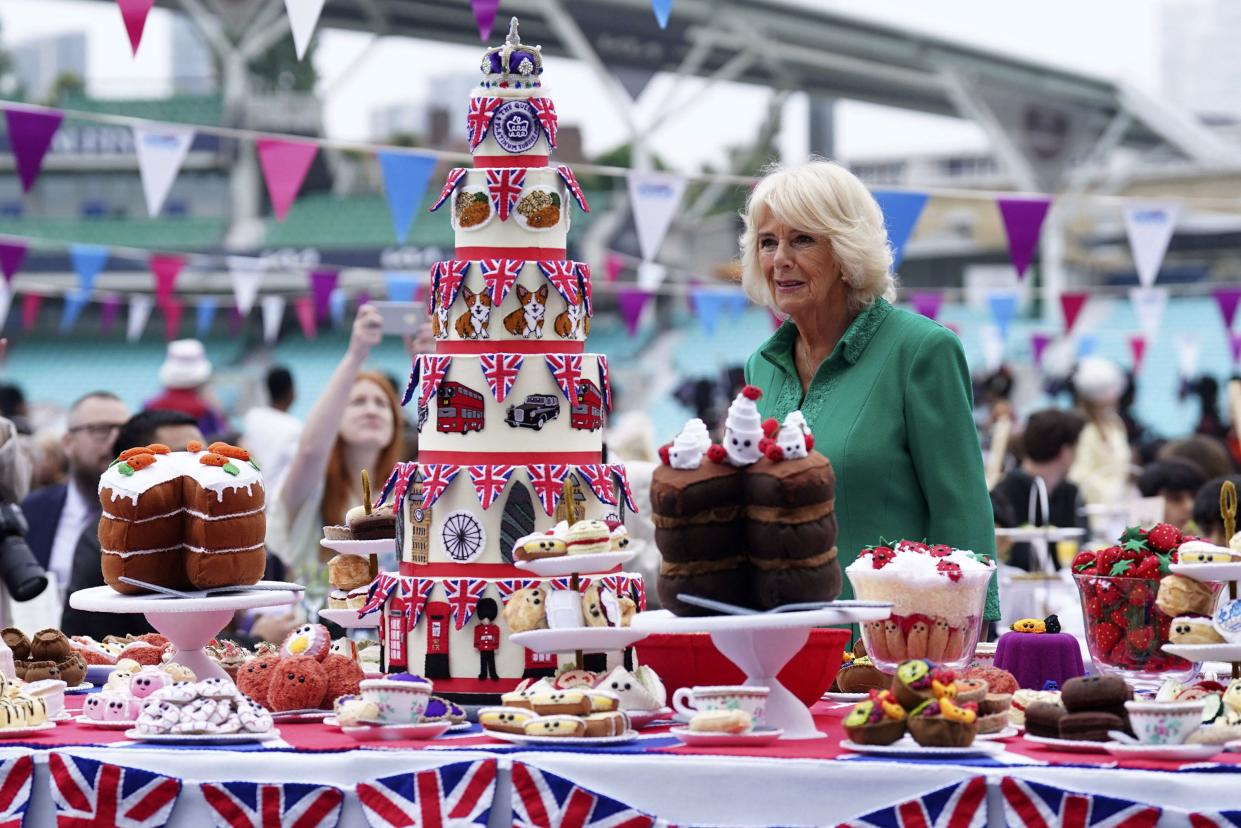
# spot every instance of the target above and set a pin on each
(891, 408)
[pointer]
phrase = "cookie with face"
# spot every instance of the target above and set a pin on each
(158, 717)
(555, 726)
(148, 680)
(118, 709)
(538, 546)
(1188, 629)
(599, 607)
(526, 610)
(297, 684)
(505, 719)
(93, 707)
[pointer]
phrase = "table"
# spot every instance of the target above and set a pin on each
(802, 783)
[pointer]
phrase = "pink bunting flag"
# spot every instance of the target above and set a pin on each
(927, 303)
(485, 16)
(954, 327)
(30, 135)
(304, 307)
(632, 301)
(1023, 219)
(134, 14)
(165, 267)
(285, 164)
(11, 257)
(30, 310)
(1234, 345)
(1227, 298)
(1137, 350)
(108, 309)
(172, 310)
(612, 266)
(322, 283)
(1038, 344)
(1071, 304)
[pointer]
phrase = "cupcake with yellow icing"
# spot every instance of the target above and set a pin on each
(941, 723)
(879, 720)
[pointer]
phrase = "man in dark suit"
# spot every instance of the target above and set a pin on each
(57, 514)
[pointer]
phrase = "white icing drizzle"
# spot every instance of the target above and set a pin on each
(168, 467)
(186, 510)
(200, 550)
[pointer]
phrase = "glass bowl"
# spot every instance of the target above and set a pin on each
(938, 619)
(1125, 631)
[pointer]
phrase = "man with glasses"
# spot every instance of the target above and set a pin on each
(58, 514)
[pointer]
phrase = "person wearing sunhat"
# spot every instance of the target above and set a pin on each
(183, 376)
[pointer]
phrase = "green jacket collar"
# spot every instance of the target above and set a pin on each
(778, 350)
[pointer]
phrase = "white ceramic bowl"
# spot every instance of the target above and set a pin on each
(1164, 723)
(399, 702)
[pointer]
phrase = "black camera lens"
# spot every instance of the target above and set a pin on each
(23, 577)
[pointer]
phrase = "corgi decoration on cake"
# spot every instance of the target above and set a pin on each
(439, 321)
(527, 321)
(473, 323)
(573, 323)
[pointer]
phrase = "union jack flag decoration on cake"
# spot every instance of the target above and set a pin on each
(546, 110)
(456, 795)
(956, 806)
(563, 276)
(15, 776)
(463, 596)
(434, 369)
(479, 120)
(451, 277)
(378, 593)
(93, 794)
(504, 186)
(508, 586)
(414, 370)
(500, 276)
(450, 184)
(548, 482)
(1035, 805)
(435, 479)
(570, 181)
(415, 592)
(583, 276)
(500, 371)
(398, 481)
(605, 382)
(489, 481)
(622, 476)
(544, 800)
(272, 805)
(599, 477)
(565, 368)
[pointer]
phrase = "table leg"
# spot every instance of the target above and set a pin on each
(189, 633)
(761, 654)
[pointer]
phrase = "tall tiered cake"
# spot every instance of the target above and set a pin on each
(510, 407)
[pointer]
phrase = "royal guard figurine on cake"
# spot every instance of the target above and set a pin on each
(511, 410)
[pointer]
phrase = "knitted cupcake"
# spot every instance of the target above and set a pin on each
(940, 723)
(879, 720)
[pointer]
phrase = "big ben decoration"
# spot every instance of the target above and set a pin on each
(418, 548)
(572, 506)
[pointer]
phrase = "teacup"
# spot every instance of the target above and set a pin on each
(690, 700)
(399, 702)
(1164, 723)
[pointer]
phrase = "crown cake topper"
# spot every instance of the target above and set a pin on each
(513, 57)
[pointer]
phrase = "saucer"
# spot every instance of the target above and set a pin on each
(754, 738)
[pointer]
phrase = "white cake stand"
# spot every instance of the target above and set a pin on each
(348, 619)
(761, 645)
(188, 623)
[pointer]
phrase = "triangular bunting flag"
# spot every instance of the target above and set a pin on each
(500, 276)
(273, 317)
(303, 17)
(485, 16)
(654, 198)
(30, 136)
(455, 176)
(304, 309)
(478, 121)
(901, 210)
(570, 180)
(88, 260)
(1087, 344)
(108, 309)
(1149, 305)
(960, 805)
(489, 481)
(74, 303)
(622, 477)
(708, 304)
(566, 369)
(1029, 804)
(1227, 296)
(322, 283)
(166, 268)
(1038, 344)
(1137, 351)
(548, 482)
(1071, 304)
(31, 302)
(1187, 348)
(927, 302)
(662, 9)
(245, 275)
(432, 370)
(631, 303)
(651, 275)
(6, 302)
(134, 16)
(599, 478)
(400, 286)
(504, 187)
(140, 307)
(161, 152)
(500, 371)
(1234, 345)
(1149, 226)
(12, 254)
(173, 310)
(90, 792)
(563, 276)
(613, 264)
(605, 381)
(435, 478)
(406, 176)
(1003, 306)
(1023, 219)
(253, 804)
(285, 164)
(337, 306)
(205, 313)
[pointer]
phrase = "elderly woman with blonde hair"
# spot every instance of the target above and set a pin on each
(885, 392)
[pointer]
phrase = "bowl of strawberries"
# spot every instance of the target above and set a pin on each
(1125, 629)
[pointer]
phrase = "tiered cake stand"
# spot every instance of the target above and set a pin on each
(760, 645)
(578, 640)
(189, 623)
(371, 549)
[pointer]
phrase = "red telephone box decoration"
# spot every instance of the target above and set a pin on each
(540, 665)
(439, 622)
(393, 630)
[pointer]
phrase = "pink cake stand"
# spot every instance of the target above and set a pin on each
(760, 645)
(189, 623)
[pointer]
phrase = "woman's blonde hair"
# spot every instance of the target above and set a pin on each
(826, 200)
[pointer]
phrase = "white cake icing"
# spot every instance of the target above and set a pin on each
(530, 278)
(915, 583)
(510, 233)
(179, 464)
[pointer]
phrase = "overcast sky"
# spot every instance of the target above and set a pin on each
(1114, 38)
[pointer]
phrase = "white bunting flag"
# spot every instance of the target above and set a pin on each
(140, 306)
(651, 275)
(6, 301)
(161, 152)
(303, 17)
(1149, 303)
(1150, 225)
(654, 198)
(1187, 347)
(245, 274)
(992, 347)
(273, 317)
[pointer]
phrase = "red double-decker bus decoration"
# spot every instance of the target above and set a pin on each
(586, 414)
(458, 408)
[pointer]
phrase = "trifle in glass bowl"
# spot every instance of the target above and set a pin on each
(937, 596)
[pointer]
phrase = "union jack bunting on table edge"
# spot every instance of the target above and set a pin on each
(15, 777)
(489, 480)
(450, 184)
(500, 276)
(962, 805)
(570, 181)
(546, 110)
(1035, 805)
(272, 805)
(504, 186)
(435, 479)
(456, 795)
(93, 794)
(463, 595)
(544, 800)
(482, 110)
(500, 371)
(1214, 819)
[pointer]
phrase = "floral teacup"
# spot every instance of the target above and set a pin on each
(1164, 723)
(400, 701)
(690, 700)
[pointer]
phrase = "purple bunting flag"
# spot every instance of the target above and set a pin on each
(322, 283)
(30, 136)
(632, 301)
(485, 16)
(1227, 297)
(12, 254)
(1023, 219)
(1038, 344)
(927, 303)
